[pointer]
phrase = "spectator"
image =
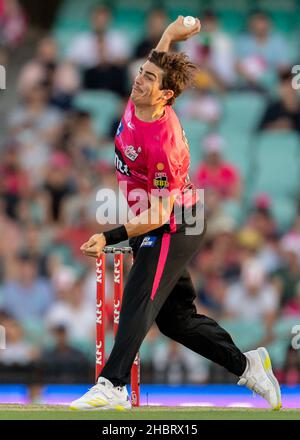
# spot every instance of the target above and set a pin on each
(283, 113)
(260, 52)
(34, 244)
(156, 23)
(83, 140)
(10, 238)
(261, 218)
(63, 279)
(266, 249)
(252, 298)
(63, 363)
(41, 68)
(292, 306)
(84, 49)
(291, 240)
(290, 373)
(287, 277)
(214, 172)
(173, 363)
(27, 296)
(211, 295)
(201, 105)
(220, 257)
(18, 360)
(262, 223)
(58, 185)
(79, 218)
(36, 125)
(104, 74)
(66, 83)
(17, 350)
(50, 171)
(75, 313)
(13, 23)
(219, 220)
(32, 208)
(45, 67)
(212, 50)
(14, 180)
(80, 208)
(35, 115)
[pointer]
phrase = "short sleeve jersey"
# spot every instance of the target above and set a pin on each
(151, 157)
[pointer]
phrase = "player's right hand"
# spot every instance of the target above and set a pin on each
(176, 31)
(94, 246)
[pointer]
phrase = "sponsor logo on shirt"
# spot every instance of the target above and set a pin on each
(120, 165)
(131, 153)
(161, 180)
(130, 125)
(149, 241)
(120, 128)
(160, 166)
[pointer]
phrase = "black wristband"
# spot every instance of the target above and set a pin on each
(116, 235)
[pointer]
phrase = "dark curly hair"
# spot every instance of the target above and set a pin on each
(178, 70)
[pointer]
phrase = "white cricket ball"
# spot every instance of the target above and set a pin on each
(189, 21)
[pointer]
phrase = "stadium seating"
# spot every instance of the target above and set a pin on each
(177, 7)
(232, 14)
(283, 13)
(284, 211)
(102, 104)
(283, 327)
(234, 210)
(246, 334)
(277, 171)
(242, 111)
(194, 131)
(283, 336)
(237, 148)
(268, 162)
(35, 331)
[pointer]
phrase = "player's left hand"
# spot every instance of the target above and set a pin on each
(94, 246)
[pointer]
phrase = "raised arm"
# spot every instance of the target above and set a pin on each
(176, 31)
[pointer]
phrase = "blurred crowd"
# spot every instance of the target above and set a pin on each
(50, 171)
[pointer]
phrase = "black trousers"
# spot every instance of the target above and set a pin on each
(159, 288)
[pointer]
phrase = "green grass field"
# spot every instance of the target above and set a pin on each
(56, 412)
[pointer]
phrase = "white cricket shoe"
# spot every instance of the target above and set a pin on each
(259, 377)
(103, 395)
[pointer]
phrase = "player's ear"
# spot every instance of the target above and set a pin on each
(168, 94)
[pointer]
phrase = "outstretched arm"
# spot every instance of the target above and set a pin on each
(176, 31)
(154, 217)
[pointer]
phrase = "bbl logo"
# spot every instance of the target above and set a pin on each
(161, 180)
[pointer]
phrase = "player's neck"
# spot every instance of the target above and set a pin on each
(149, 113)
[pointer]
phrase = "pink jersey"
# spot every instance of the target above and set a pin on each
(151, 156)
